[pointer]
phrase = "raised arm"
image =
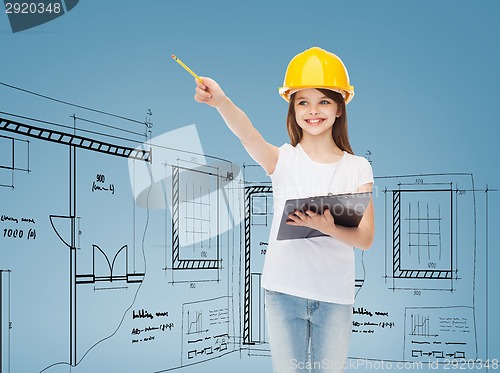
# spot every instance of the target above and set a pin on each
(210, 93)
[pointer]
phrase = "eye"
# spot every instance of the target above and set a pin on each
(325, 102)
(302, 102)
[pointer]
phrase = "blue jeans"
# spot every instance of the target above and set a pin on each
(307, 335)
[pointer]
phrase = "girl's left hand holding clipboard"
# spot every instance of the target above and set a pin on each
(321, 222)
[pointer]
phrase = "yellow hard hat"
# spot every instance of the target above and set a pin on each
(316, 68)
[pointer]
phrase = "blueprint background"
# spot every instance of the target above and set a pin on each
(425, 76)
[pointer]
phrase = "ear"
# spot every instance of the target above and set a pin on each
(339, 112)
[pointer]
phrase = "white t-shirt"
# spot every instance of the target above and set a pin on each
(320, 268)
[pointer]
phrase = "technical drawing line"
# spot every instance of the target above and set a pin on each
(70, 104)
(5, 321)
(193, 232)
(429, 233)
(419, 237)
(420, 175)
(247, 319)
(396, 221)
(198, 323)
(486, 276)
(111, 288)
(126, 311)
(467, 207)
(73, 140)
(106, 125)
(420, 326)
(112, 264)
(475, 262)
(12, 165)
(72, 254)
(1, 322)
(193, 364)
(364, 274)
(424, 234)
(55, 229)
(439, 235)
(71, 127)
(152, 144)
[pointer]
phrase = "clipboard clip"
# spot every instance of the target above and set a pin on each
(329, 195)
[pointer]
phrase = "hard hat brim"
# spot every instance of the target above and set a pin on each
(286, 92)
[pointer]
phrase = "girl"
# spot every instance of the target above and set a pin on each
(309, 283)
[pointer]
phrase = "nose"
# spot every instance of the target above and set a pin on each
(313, 110)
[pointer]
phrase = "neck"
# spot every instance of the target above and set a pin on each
(321, 148)
(323, 144)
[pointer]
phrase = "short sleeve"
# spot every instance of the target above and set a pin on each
(282, 155)
(365, 174)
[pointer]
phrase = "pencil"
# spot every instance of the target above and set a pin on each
(185, 67)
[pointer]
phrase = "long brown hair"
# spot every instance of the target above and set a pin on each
(340, 133)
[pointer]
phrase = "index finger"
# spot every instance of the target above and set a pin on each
(310, 213)
(199, 83)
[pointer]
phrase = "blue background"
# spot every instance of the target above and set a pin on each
(425, 74)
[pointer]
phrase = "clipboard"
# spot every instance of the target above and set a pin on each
(347, 210)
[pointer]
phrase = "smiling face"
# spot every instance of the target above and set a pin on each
(336, 123)
(315, 113)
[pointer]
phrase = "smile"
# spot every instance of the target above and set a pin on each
(315, 121)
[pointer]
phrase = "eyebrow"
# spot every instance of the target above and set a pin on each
(305, 98)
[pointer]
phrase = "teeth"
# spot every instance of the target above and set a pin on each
(314, 120)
